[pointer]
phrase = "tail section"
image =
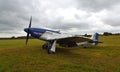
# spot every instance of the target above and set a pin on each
(95, 38)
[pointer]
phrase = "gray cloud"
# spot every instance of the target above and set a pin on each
(82, 16)
(113, 17)
(14, 15)
(69, 26)
(113, 21)
(96, 5)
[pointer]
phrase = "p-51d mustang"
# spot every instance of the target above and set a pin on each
(65, 40)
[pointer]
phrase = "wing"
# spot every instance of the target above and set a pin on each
(53, 36)
(73, 40)
(63, 38)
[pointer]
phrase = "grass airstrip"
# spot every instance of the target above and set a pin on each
(16, 57)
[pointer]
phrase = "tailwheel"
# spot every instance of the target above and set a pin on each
(85, 46)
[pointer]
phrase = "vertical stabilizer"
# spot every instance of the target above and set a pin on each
(95, 38)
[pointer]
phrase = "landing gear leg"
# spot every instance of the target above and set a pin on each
(52, 47)
(48, 46)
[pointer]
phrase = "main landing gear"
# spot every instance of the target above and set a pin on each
(50, 47)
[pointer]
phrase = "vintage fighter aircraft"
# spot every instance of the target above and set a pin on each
(65, 40)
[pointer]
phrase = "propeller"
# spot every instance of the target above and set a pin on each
(28, 30)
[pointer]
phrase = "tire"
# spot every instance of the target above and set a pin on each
(84, 47)
(44, 46)
(50, 52)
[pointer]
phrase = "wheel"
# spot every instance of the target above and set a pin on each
(44, 46)
(50, 52)
(84, 47)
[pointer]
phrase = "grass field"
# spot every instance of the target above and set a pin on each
(16, 57)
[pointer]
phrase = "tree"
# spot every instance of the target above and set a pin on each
(107, 33)
(13, 37)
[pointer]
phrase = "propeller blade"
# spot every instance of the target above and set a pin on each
(27, 38)
(30, 22)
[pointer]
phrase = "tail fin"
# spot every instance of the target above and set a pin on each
(95, 38)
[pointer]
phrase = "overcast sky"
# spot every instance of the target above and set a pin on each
(70, 16)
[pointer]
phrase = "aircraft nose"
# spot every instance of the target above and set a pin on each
(26, 29)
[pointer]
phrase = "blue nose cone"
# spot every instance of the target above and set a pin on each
(26, 30)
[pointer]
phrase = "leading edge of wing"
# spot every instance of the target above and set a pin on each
(63, 37)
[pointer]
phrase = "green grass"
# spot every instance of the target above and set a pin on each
(16, 57)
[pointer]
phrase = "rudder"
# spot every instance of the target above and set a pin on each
(95, 38)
